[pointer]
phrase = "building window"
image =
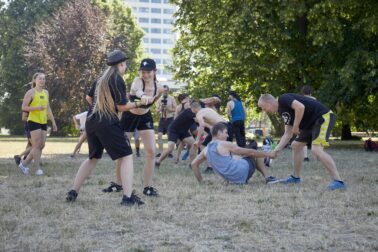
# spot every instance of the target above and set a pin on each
(145, 29)
(165, 1)
(135, 9)
(155, 1)
(158, 61)
(155, 30)
(155, 10)
(167, 31)
(156, 41)
(156, 20)
(146, 50)
(145, 40)
(144, 9)
(167, 61)
(144, 1)
(169, 11)
(155, 50)
(165, 51)
(143, 20)
(168, 21)
(168, 41)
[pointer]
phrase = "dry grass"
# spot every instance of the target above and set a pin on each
(188, 216)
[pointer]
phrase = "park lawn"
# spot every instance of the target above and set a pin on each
(214, 216)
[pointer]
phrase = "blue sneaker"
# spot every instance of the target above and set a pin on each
(336, 185)
(291, 180)
(185, 155)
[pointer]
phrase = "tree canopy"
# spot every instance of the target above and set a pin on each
(257, 47)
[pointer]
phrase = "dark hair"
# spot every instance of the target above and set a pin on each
(166, 86)
(218, 127)
(182, 96)
(306, 90)
(195, 104)
(235, 95)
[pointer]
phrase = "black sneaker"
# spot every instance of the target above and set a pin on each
(306, 159)
(209, 170)
(158, 155)
(132, 200)
(150, 191)
(114, 187)
(71, 196)
(17, 159)
(170, 155)
(157, 164)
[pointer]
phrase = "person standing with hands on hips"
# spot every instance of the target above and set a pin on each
(147, 90)
(166, 108)
(36, 102)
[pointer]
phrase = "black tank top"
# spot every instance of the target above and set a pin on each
(134, 97)
(183, 121)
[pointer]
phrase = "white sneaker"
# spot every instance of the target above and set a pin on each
(24, 168)
(39, 172)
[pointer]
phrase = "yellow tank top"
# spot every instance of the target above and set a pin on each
(39, 99)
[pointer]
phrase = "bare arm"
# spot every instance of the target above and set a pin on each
(50, 113)
(234, 149)
(27, 100)
(75, 122)
(299, 110)
(245, 110)
(195, 164)
(89, 99)
(285, 138)
(200, 128)
(128, 106)
(229, 108)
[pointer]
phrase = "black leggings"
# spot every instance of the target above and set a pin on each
(239, 132)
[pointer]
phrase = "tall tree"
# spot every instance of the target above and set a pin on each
(16, 17)
(277, 46)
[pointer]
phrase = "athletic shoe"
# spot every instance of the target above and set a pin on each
(306, 159)
(71, 196)
(24, 169)
(157, 164)
(170, 155)
(185, 155)
(114, 187)
(39, 172)
(158, 155)
(17, 159)
(336, 185)
(208, 170)
(291, 180)
(271, 180)
(132, 200)
(150, 191)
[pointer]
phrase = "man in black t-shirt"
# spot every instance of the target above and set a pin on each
(310, 121)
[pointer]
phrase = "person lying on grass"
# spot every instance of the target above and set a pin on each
(219, 154)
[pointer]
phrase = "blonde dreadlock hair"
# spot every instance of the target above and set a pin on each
(104, 104)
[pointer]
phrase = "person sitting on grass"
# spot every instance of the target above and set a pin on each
(219, 154)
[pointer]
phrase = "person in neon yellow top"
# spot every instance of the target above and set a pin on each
(36, 102)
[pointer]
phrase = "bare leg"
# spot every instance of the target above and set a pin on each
(305, 151)
(38, 138)
(127, 174)
(189, 141)
(179, 150)
(118, 164)
(160, 142)
(82, 139)
(326, 160)
(148, 139)
(260, 166)
(84, 171)
(297, 153)
(171, 146)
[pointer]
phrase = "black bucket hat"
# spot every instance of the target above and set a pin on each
(115, 57)
(147, 65)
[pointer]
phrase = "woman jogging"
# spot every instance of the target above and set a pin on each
(36, 102)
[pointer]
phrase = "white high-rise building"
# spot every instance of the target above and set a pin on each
(155, 17)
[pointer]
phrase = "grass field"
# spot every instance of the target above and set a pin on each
(213, 216)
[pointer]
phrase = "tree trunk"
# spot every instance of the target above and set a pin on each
(346, 133)
(278, 126)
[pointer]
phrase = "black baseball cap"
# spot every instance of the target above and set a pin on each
(147, 65)
(115, 57)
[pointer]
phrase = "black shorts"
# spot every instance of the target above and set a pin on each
(36, 126)
(174, 136)
(27, 131)
(252, 167)
(320, 132)
(112, 138)
(164, 124)
(193, 127)
(130, 121)
(229, 132)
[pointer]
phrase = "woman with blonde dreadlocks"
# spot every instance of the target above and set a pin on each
(104, 130)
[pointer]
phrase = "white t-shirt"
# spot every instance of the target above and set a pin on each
(82, 117)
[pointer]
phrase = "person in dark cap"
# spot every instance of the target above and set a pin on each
(104, 130)
(146, 89)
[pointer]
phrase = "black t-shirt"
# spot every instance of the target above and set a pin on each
(118, 92)
(313, 110)
(183, 121)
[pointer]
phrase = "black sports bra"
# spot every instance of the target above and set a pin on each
(134, 97)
